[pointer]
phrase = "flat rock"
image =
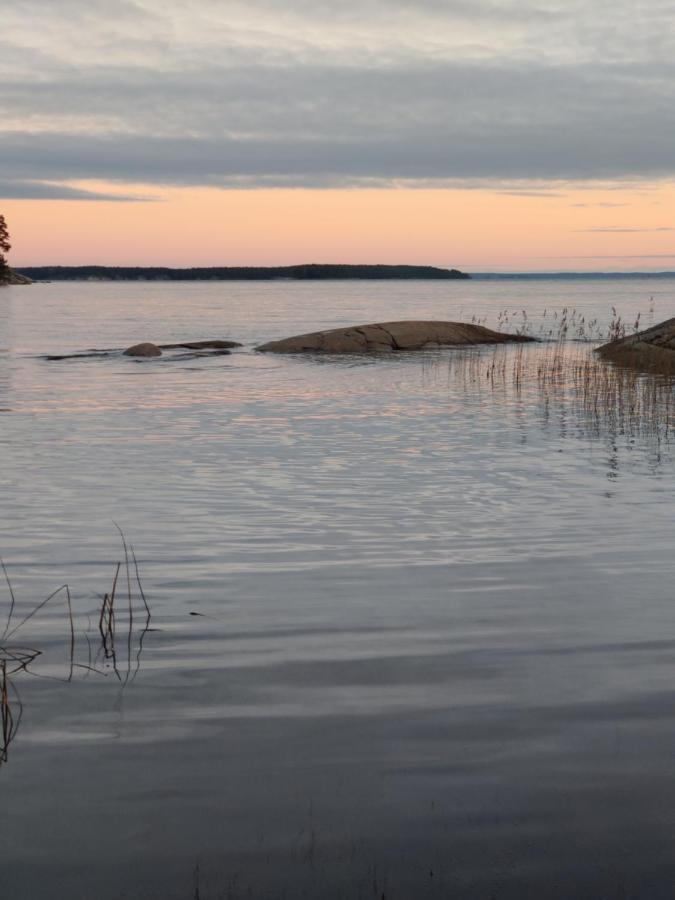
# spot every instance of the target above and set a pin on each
(651, 350)
(144, 349)
(201, 345)
(388, 337)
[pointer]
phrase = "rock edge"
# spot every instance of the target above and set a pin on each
(650, 350)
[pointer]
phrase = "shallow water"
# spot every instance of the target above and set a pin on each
(435, 645)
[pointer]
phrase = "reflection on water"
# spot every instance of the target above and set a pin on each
(415, 621)
(572, 391)
(10, 702)
(5, 349)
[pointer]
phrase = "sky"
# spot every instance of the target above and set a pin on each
(512, 135)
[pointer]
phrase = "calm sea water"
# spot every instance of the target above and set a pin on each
(413, 631)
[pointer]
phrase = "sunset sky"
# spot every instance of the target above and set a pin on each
(484, 134)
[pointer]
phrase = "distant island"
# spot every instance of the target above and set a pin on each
(312, 272)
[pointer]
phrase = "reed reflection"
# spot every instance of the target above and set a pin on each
(114, 647)
(573, 391)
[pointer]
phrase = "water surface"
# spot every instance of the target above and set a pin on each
(435, 644)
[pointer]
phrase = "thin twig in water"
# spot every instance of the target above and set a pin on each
(12, 602)
(106, 624)
(148, 616)
(41, 605)
(130, 601)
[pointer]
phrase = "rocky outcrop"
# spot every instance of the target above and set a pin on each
(389, 337)
(651, 350)
(144, 349)
(9, 276)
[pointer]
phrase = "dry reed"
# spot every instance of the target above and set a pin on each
(602, 398)
(16, 660)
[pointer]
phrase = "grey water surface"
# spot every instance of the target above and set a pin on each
(412, 630)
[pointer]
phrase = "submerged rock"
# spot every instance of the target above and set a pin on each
(148, 349)
(89, 354)
(144, 349)
(651, 350)
(389, 337)
(218, 347)
(201, 345)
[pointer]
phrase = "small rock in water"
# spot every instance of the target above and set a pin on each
(144, 349)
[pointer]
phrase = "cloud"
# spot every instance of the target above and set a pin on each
(317, 94)
(42, 190)
(618, 229)
(618, 256)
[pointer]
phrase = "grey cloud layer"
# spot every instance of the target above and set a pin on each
(41, 190)
(297, 93)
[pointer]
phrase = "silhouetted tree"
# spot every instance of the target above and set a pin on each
(5, 245)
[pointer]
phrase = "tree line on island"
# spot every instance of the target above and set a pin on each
(310, 272)
(7, 275)
(5, 246)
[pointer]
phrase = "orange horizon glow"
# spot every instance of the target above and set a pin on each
(574, 229)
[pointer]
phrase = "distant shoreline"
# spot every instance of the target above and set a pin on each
(566, 276)
(311, 272)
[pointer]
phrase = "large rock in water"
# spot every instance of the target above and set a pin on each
(387, 337)
(651, 350)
